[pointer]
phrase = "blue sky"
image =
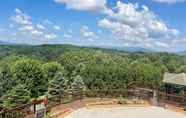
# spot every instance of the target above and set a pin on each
(152, 24)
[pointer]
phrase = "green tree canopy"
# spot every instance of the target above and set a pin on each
(6, 81)
(181, 69)
(18, 96)
(51, 69)
(30, 73)
(57, 86)
(78, 84)
(145, 75)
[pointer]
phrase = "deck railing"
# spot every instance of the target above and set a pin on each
(139, 93)
(179, 100)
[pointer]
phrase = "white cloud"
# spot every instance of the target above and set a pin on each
(137, 25)
(170, 1)
(50, 36)
(161, 44)
(25, 24)
(37, 33)
(148, 45)
(26, 28)
(21, 18)
(48, 22)
(39, 26)
(84, 5)
(86, 33)
(67, 36)
(57, 27)
(29, 29)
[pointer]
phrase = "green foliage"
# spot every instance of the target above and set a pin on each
(78, 85)
(182, 69)
(56, 68)
(6, 81)
(18, 96)
(146, 75)
(30, 73)
(57, 86)
(51, 69)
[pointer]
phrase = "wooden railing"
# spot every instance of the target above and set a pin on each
(139, 93)
(172, 99)
(20, 111)
(17, 112)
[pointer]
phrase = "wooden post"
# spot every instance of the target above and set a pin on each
(155, 100)
(34, 105)
(34, 108)
(45, 101)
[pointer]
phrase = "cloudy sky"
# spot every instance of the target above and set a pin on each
(152, 24)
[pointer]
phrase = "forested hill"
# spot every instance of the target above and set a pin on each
(29, 72)
(49, 52)
(43, 51)
(55, 52)
(52, 52)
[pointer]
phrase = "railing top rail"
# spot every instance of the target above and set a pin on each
(134, 91)
(172, 95)
(16, 108)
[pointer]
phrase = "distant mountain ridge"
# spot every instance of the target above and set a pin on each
(125, 49)
(181, 53)
(131, 49)
(5, 43)
(51, 51)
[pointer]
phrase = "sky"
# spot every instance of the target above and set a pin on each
(151, 24)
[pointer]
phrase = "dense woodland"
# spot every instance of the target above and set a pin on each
(29, 72)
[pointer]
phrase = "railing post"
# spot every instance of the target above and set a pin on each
(3, 115)
(34, 108)
(155, 98)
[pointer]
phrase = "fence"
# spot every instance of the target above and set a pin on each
(172, 99)
(139, 93)
(18, 112)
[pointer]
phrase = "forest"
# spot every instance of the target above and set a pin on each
(29, 72)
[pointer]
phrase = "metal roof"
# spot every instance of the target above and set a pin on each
(172, 78)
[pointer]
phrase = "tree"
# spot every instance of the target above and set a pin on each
(1, 89)
(57, 86)
(78, 85)
(30, 73)
(72, 60)
(145, 75)
(51, 69)
(6, 81)
(18, 96)
(181, 69)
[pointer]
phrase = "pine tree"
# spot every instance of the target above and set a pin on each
(57, 86)
(18, 96)
(78, 85)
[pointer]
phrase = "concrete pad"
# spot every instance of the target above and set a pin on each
(126, 112)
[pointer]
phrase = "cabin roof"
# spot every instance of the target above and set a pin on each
(177, 79)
